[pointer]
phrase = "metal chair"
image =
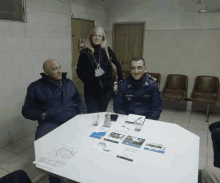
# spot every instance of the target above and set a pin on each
(157, 76)
(176, 87)
(205, 90)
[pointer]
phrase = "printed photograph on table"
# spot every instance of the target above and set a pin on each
(115, 136)
(160, 148)
(133, 141)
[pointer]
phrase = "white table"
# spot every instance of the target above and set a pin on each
(179, 164)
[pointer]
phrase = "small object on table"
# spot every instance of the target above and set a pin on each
(114, 117)
(95, 119)
(138, 125)
(107, 122)
(125, 127)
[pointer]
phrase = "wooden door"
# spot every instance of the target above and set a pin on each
(128, 43)
(80, 29)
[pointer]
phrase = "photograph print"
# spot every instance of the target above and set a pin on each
(133, 141)
(116, 135)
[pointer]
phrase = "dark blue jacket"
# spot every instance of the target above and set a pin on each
(139, 97)
(42, 97)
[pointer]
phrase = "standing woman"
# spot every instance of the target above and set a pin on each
(94, 70)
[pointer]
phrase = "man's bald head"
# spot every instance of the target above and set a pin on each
(52, 69)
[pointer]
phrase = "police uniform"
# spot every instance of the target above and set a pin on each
(140, 97)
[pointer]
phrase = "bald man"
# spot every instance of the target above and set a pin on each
(52, 100)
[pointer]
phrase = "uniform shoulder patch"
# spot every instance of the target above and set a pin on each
(151, 77)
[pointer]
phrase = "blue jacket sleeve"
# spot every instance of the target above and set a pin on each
(156, 105)
(81, 106)
(30, 108)
(119, 102)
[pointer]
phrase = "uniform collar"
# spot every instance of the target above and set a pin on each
(134, 82)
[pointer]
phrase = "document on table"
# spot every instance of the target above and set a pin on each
(59, 157)
(104, 147)
(99, 132)
(133, 117)
(127, 153)
(114, 136)
(160, 148)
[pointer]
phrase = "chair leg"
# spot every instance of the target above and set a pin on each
(207, 114)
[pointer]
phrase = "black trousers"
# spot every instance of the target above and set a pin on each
(98, 103)
(215, 135)
(18, 176)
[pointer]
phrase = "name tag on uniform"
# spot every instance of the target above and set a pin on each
(128, 96)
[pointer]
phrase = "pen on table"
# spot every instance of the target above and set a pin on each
(125, 127)
(137, 119)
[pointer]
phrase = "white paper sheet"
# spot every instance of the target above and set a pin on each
(132, 117)
(104, 147)
(59, 157)
(127, 153)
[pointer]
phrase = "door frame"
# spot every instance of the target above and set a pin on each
(119, 23)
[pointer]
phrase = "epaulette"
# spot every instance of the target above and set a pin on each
(152, 79)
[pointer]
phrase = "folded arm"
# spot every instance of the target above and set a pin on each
(30, 108)
(81, 106)
(119, 102)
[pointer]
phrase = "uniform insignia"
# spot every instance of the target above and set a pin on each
(128, 96)
(146, 83)
(129, 85)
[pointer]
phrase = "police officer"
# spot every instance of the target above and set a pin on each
(138, 93)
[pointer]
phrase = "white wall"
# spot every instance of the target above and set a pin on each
(178, 40)
(24, 46)
(89, 10)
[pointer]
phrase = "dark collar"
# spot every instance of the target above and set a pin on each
(137, 82)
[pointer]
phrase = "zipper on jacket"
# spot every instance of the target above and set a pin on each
(101, 84)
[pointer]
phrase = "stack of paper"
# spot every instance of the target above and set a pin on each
(133, 117)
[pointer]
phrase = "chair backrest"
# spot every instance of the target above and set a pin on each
(177, 82)
(206, 84)
(157, 76)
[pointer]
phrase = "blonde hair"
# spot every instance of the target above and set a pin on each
(88, 43)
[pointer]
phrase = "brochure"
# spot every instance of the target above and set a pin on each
(133, 141)
(127, 153)
(133, 117)
(160, 148)
(104, 147)
(114, 136)
(99, 133)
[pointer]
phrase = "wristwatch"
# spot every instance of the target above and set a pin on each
(44, 116)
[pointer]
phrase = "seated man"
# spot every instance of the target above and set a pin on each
(138, 93)
(52, 100)
(212, 174)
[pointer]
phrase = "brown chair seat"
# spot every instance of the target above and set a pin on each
(205, 90)
(205, 97)
(175, 87)
(174, 94)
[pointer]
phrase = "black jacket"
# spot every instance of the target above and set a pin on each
(86, 71)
